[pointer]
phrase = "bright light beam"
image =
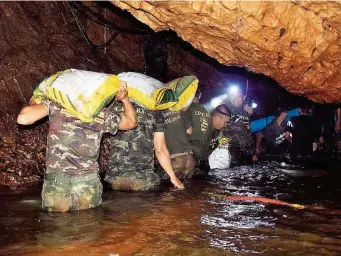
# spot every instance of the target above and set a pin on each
(233, 89)
(215, 102)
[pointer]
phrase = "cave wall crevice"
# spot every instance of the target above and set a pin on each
(37, 40)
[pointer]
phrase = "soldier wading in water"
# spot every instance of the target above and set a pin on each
(71, 179)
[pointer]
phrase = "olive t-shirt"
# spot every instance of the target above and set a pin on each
(201, 123)
(175, 132)
(214, 140)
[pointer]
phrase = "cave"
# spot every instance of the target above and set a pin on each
(283, 53)
(218, 42)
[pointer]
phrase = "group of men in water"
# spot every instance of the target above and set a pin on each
(146, 147)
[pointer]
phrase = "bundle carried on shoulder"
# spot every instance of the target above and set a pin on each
(185, 89)
(82, 93)
(148, 92)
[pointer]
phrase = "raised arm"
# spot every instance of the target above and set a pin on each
(128, 118)
(30, 114)
(163, 156)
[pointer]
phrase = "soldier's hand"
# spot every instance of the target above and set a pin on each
(177, 183)
(248, 109)
(123, 92)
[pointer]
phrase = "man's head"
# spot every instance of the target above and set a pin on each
(281, 114)
(304, 108)
(197, 96)
(220, 116)
(236, 96)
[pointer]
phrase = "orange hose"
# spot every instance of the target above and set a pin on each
(264, 200)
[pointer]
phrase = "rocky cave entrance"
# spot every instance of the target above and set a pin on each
(41, 38)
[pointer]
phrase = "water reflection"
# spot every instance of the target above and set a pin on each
(197, 221)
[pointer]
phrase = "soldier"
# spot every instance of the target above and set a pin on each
(178, 144)
(274, 135)
(220, 117)
(71, 179)
(200, 123)
(238, 130)
(131, 160)
(199, 132)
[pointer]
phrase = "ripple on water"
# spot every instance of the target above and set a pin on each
(197, 221)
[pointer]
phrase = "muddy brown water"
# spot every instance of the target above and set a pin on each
(196, 221)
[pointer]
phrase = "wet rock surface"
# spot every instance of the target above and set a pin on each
(296, 43)
(37, 40)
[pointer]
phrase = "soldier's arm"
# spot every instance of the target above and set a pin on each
(163, 156)
(187, 117)
(128, 118)
(189, 130)
(30, 114)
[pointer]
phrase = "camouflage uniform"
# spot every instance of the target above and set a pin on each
(131, 158)
(183, 166)
(238, 131)
(71, 179)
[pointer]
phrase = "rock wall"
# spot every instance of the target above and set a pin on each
(37, 39)
(296, 43)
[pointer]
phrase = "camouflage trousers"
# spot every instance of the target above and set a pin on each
(183, 166)
(202, 169)
(132, 179)
(62, 193)
(241, 146)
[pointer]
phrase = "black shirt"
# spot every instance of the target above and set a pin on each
(239, 116)
(305, 129)
(214, 140)
(273, 135)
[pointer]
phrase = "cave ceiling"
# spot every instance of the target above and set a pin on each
(296, 43)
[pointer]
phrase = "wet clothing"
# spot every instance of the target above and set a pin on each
(305, 130)
(131, 157)
(63, 193)
(73, 146)
(274, 136)
(71, 179)
(183, 166)
(238, 131)
(201, 123)
(177, 139)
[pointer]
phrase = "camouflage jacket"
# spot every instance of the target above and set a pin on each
(73, 146)
(134, 149)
